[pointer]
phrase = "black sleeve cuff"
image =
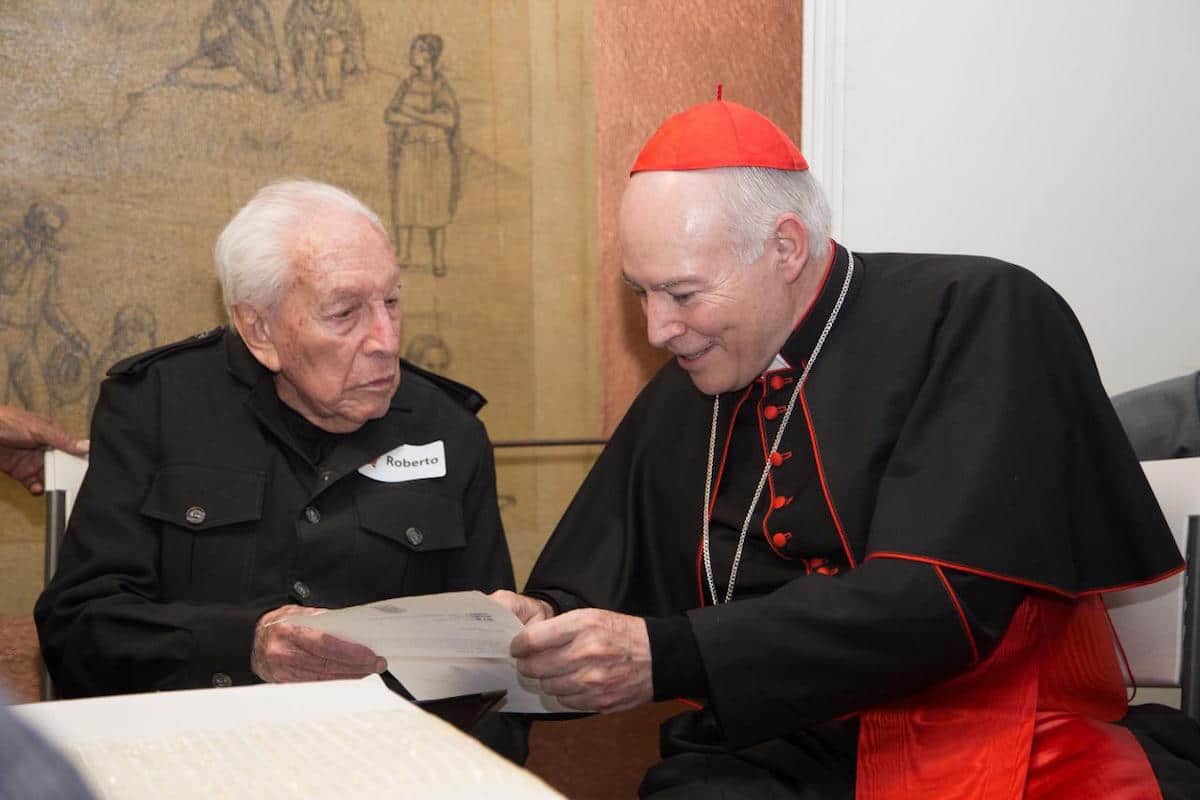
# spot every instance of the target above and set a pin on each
(675, 662)
(560, 601)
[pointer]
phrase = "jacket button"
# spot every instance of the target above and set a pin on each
(771, 412)
(326, 475)
(414, 536)
(221, 680)
(312, 515)
(301, 590)
(195, 515)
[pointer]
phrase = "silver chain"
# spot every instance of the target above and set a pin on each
(762, 480)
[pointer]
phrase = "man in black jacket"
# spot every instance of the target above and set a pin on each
(252, 473)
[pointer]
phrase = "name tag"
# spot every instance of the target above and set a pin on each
(408, 462)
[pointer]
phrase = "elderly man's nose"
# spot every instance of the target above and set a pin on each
(662, 324)
(384, 334)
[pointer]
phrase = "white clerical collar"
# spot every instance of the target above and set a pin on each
(778, 363)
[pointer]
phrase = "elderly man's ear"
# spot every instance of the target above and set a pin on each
(255, 330)
(791, 246)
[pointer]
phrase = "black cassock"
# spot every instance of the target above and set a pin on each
(952, 450)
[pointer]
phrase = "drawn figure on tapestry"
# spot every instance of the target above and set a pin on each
(29, 306)
(325, 39)
(134, 330)
(429, 351)
(423, 167)
(237, 48)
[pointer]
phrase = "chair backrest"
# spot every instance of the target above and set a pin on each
(1151, 620)
(64, 473)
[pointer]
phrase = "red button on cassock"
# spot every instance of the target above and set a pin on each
(779, 502)
(771, 412)
(780, 540)
(776, 460)
(776, 382)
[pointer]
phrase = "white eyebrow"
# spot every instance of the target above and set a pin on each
(664, 286)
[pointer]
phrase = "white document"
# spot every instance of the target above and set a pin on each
(344, 739)
(441, 645)
(408, 462)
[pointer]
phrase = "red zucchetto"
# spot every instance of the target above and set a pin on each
(718, 134)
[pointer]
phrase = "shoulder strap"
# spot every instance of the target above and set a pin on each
(467, 397)
(136, 364)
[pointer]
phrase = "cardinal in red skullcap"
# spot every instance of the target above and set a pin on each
(863, 516)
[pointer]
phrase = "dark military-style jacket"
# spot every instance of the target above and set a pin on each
(201, 511)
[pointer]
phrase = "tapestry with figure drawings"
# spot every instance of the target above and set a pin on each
(134, 130)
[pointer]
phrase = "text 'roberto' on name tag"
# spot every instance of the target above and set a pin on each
(408, 462)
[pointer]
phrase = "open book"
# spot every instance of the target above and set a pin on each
(441, 645)
(345, 739)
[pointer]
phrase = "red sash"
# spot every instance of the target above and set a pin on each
(1031, 721)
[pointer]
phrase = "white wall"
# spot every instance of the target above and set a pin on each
(1061, 135)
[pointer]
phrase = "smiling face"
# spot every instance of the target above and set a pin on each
(722, 319)
(333, 342)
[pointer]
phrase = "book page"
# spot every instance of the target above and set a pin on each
(346, 739)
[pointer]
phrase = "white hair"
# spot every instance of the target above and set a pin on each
(756, 196)
(253, 253)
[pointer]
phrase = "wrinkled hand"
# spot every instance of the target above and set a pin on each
(589, 659)
(24, 436)
(527, 609)
(284, 652)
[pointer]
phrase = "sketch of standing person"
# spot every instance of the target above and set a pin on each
(28, 298)
(325, 39)
(237, 47)
(423, 169)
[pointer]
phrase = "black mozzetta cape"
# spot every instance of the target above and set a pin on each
(953, 448)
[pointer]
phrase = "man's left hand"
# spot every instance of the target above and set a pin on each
(589, 659)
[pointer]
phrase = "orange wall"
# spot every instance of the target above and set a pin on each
(652, 59)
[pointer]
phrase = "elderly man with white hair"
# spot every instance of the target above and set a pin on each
(288, 463)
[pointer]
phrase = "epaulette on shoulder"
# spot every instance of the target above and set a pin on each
(135, 364)
(467, 397)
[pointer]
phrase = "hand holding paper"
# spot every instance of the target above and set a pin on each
(589, 659)
(440, 645)
(285, 651)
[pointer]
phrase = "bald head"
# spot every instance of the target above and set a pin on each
(673, 211)
(722, 316)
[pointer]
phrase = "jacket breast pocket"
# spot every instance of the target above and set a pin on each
(410, 538)
(211, 516)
